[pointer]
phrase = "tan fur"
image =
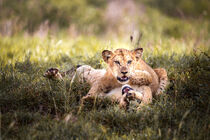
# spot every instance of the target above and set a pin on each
(140, 75)
(124, 67)
(163, 80)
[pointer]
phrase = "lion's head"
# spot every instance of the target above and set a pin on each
(121, 63)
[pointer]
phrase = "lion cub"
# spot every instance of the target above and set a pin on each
(125, 67)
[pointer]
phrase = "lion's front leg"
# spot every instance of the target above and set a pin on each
(124, 102)
(93, 92)
(54, 74)
(141, 77)
(142, 93)
(147, 94)
(163, 80)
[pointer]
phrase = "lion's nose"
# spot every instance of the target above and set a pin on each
(124, 72)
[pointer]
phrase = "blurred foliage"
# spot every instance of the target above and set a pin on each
(183, 8)
(86, 16)
(31, 14)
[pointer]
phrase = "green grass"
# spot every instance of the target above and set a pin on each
(33, 107)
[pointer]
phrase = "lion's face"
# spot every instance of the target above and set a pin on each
(122, 63)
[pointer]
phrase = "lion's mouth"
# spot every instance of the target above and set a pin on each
(123, 79)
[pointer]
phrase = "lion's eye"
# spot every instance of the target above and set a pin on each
(130, 61)
(117, 62)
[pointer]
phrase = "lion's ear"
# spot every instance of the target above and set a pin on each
(138, 53)
(106, 55)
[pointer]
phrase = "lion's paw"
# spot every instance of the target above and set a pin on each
(53, 73)
(129, 92)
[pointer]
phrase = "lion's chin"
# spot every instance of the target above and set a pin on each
(123, 80)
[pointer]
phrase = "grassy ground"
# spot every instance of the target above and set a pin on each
(33, 107)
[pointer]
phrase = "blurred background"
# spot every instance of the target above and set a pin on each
(99, 17)
(52, 29)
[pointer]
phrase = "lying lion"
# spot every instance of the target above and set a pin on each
(126, 78)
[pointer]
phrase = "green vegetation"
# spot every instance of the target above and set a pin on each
(33, 107)
(30, 14)
(183, 8)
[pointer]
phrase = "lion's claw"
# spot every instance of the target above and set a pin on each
(52, 73)
(130, 93)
